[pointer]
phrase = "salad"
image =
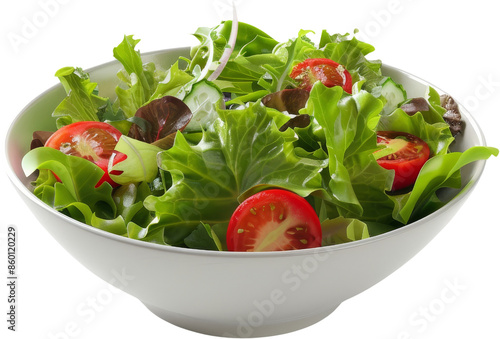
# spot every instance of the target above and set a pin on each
(249, 144)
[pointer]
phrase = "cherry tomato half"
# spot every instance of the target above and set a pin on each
(273, 220)
(325, 70)
(404, 153)
(91, 140)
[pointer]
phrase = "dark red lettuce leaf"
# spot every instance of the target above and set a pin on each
(40, 138)
(164, 117)
(453, 117)
(290, 100)
(300, 121)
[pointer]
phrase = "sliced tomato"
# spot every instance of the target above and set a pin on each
(91, 140)
(325, 70)
(404, 153)
(273, 220)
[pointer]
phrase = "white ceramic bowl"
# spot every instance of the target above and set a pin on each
(229, 293)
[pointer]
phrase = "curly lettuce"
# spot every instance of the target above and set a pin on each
(243, 153)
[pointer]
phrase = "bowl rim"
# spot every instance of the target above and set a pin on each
(22, 189)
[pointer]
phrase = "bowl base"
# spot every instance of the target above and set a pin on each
(239, 327)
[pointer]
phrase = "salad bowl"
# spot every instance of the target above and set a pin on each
(232, 294)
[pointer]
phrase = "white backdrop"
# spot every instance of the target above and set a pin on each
(455, 47)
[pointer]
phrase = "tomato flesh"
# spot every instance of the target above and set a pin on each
(273, 220)
(91, 140)
(405, 154)
(325, 70)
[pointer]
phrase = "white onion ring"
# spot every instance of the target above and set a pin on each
(228, 50)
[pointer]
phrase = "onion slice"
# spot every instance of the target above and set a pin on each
(228, 50)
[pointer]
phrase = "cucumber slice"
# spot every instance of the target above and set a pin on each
(203, 101)
(393, 93)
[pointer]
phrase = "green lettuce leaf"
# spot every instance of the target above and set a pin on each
(176, 83)
(258, 64)
(342, 230)
(129, 203)
(76, 191)
(352, 54)
(244, 152)
(140, 164)
(140, 79)
(356, 182)
(204, 238)
(82, 102)
(75, 194)
(130, 210)
(115, 226)
(291, 52)
(436, 135)
(438, 172)
(250, 42)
